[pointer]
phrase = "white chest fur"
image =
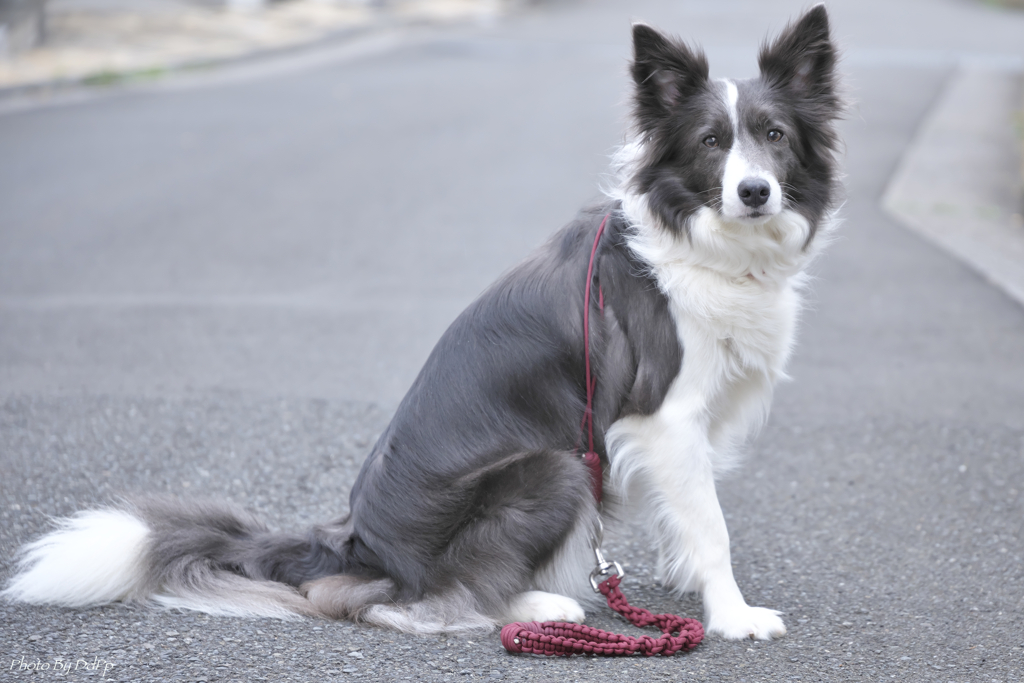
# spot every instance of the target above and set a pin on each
(733, 291)
(733, 294)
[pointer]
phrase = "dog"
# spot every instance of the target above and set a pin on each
(474, 507)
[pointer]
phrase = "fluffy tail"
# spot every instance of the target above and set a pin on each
(200, 556)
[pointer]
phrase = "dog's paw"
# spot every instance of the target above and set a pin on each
(541, 606)
(755, 623)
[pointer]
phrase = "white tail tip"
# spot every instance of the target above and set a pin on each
(95, 557)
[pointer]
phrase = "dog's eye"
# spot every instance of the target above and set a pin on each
(711, 141)
(774, 135)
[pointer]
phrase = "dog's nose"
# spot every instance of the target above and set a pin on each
(754, 191)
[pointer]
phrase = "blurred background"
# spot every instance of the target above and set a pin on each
(105, 39)
(309, 168)
(231, 232)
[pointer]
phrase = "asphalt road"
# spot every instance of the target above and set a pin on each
(221, 286)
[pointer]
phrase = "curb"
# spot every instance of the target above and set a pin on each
(959, 183)
(112, 79)
(30, 95)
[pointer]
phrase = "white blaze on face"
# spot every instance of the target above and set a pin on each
(742, 165)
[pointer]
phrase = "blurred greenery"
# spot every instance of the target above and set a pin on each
(120, 77)
(1015, 4)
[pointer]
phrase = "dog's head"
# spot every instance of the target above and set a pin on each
(746, 149)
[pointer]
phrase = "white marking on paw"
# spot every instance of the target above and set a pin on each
(755, 623)
(541, 606)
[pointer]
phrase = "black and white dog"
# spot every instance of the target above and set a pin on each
(474, 507)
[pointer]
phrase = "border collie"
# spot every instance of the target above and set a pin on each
(475, 507)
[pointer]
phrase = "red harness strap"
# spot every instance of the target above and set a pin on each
(564, 639)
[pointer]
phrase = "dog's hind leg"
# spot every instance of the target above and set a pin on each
(372, 601)
(526, 527)
(344, 597)
(452, 611)
(460, 553)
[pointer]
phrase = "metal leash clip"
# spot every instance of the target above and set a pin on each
(604, 568)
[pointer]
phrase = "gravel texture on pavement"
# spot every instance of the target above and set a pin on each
(862, 560)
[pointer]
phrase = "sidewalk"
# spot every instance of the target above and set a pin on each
(103, 41)
(960, 183)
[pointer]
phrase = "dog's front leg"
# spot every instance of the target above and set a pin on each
(681, 501)
(704, 540)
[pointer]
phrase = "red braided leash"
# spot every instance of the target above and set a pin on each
(591, 457)
(564, 639)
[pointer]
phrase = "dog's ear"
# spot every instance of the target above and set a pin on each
(665, 71)
(802, 60)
